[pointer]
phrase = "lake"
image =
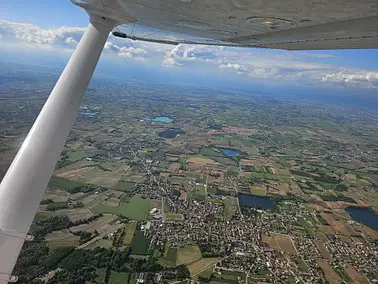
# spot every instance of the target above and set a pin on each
(230, 152)
(159, 119)
(256, 201)
(364, 215)
(170, 132)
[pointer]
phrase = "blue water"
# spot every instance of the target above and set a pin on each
(159, 119)
(230, 152)
(256, 201)
(88, 113)
(364, 215)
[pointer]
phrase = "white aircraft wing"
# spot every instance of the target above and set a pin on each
(281, 24)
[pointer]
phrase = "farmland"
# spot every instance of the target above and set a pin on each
(280, 242)
(313, 161)
(183, 255)
(330, 274)
(118, 277)
(202, 265)
(129, 233)
(135, 209)
(229, 207)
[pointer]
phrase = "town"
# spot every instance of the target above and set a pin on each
(178, 185)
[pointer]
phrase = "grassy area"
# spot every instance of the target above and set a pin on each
(207, 273)
(257, 191)
(76, 156)
(174, 216)
(203, 267)
(262, 176)
(171, 256)
(301, 264)
(100, 243)
(188, 254)
(125, 185)
(209, 152)
(200, 189)
(185, 255)
(136, 209)
(215, 201)
(231, 276)
(229, 207)
(62, 183)
(140, 243)
(118, 277)
(129, 233)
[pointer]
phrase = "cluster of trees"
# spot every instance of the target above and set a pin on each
(209, 250)
(84, 236)
(338, 198)
(49, 225)
(57, 223)
(84, 221)
(46, 201)
(81, 265)
(56, 206)
(82, 188)
(118, 238)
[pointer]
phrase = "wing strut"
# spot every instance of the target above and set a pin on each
(25, 182)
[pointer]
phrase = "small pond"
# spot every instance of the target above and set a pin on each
(230, 152)
(159, 119)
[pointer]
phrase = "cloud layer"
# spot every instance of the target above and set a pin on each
(298, 67)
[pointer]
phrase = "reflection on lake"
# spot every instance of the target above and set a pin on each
(159, 119)
(230, 152)
(88, 113)
(364, 215)
(256, 201)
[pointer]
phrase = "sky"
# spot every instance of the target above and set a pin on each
(47, 32)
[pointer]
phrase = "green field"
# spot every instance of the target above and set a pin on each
(257, 191)
(229, 207)
(200, 189)
(62, 183)
(118, 277)
(207, 273)
(140, 243)
(209, 152)
(230, 276)
(174, 216)
(136, 209)
(215, 201)
(76, 156)
(184, 255)
(125, 185)
(301, 264)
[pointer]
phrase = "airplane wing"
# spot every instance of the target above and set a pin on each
(280, 24)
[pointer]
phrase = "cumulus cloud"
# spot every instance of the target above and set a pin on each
(64, 38)
(234, 67)
(367, 79)
(303, 67)
(169, 61)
